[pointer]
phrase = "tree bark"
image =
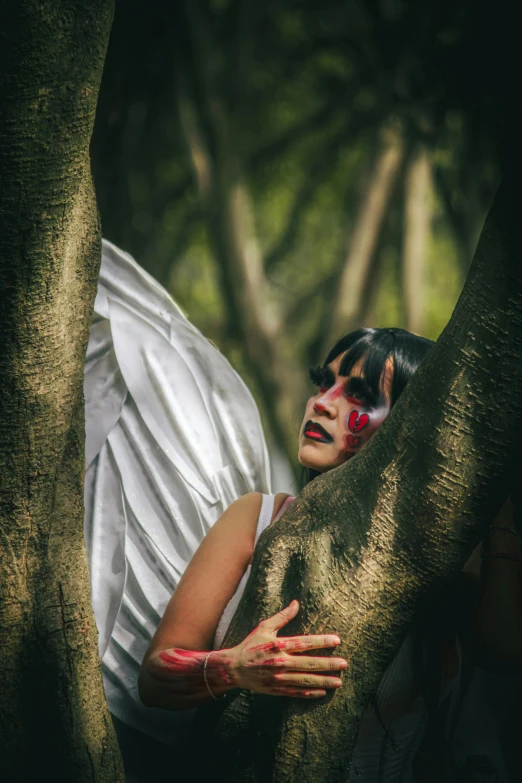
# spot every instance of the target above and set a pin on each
(416, 228)
(366, 545)
(348, 304)
(54, 720)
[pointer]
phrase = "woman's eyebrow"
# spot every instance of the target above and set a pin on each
(322, 376)
(328, 375)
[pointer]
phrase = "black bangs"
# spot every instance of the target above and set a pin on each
(375, 346)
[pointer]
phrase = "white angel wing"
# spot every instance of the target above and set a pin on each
(173, 437)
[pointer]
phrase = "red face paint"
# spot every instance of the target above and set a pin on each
(358, 421)
(347, 408)
(353, 442)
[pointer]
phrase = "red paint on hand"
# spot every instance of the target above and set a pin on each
(256, 668)
(277, 644)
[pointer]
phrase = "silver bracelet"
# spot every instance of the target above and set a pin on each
(216, 698)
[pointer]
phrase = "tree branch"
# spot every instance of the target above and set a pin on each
(365, 235)
(313, 179)
(457, 221)
(299, 307)
(416, 228)
(228, 209)
(163, 270)
(314, 122)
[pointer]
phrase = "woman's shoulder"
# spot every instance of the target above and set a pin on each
(252, 502)
(281, 500)
(246, 510)
(243, 512)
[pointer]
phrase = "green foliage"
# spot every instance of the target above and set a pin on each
(305, 89)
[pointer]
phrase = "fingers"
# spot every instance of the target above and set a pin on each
(311, 642)
(283, 617)
(311, 681)
(314, 663)
(298, 693)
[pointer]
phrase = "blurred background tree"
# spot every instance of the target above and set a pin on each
(290, 171)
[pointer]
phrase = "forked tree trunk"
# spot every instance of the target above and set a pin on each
(366, 544)
(54, 721)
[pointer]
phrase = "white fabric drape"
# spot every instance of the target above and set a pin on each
(173, 437)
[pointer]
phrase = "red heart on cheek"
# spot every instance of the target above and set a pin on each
(353, 441)
(357, 422)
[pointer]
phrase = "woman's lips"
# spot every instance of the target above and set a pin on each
(316, 432)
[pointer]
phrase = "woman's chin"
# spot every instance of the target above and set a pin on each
(311, 457)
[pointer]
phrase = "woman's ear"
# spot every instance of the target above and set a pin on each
(387, 379)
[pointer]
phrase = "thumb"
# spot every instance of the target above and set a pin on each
(283, 617)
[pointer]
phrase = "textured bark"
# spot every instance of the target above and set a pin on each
(366, 545)
(416, 228)
(54, 720)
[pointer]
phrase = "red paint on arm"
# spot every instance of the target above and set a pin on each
(184, 670)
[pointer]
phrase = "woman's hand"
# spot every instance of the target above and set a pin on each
(265, 663)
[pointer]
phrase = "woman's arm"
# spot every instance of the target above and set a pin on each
(263, 662)
(172, 674)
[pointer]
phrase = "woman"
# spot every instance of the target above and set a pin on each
(360, 381)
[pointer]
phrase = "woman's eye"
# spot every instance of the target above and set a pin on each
(358, 399)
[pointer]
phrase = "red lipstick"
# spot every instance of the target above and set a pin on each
(315, 432)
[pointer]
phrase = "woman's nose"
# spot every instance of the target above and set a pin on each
(324, 406)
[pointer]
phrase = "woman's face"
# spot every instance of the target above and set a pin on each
(341, 416)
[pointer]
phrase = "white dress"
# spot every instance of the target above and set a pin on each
(173, 437)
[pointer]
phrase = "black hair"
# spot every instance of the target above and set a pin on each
(375, 347)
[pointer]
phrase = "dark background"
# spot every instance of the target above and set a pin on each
(286, 109)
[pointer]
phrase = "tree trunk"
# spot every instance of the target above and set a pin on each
(54, 720)
(366, 545)
(416, 228)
